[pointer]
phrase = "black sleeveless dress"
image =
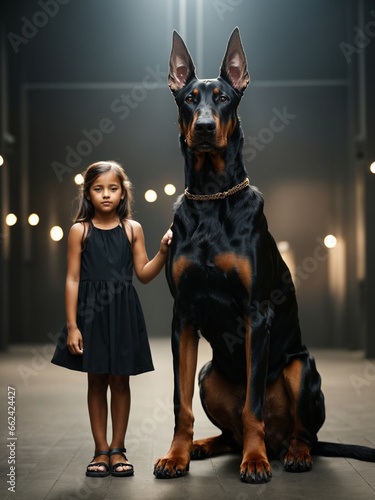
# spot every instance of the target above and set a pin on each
(109, 313)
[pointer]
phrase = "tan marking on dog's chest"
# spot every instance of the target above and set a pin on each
(232, 262)
(179, 267)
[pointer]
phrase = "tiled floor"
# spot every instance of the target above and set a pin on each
(54, 443)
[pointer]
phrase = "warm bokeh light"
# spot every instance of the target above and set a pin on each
(10, 219)
(1, 160)
(150, 196)
(56, 233)
(283, 246)
(78, 179)
(33, 219)
(330, 241)
(169, 189)
(372, 167)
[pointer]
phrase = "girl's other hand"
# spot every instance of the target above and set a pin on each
(75, 341)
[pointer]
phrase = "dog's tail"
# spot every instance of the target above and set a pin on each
(324, 449)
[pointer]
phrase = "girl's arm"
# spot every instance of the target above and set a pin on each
(75, 343)
(145, 269)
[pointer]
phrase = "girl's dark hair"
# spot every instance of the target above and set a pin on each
(86, 209)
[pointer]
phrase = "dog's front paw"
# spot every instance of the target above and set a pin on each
(171, 467)
(255, 471)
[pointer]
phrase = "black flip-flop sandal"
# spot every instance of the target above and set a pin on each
(120, 473)
(98, 473)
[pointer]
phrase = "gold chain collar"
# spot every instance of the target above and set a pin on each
(217, 196)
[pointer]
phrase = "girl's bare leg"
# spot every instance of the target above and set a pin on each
(120, 408)
(98, 411)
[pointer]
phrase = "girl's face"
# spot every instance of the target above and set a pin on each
(106, 192)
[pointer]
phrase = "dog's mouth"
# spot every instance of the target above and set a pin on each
(203, 147)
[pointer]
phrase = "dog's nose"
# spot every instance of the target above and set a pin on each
(205, 126)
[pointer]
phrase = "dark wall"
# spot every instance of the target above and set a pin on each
(298, 115)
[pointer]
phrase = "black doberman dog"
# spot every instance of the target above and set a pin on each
(230, 285)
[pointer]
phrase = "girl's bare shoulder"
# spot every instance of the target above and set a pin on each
(134, 231)
(133, 223)
(78, 229)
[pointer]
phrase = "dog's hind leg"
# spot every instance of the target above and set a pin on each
(223, 403)
(307, 405)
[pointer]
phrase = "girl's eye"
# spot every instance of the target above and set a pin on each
(223, 98)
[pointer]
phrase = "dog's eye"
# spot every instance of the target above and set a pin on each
(223, 98)
(189, 99)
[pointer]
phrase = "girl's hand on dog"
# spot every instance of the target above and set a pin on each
(166, 240)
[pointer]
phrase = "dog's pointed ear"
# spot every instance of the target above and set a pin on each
(234, 66)
(181, 65)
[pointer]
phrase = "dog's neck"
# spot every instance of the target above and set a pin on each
(214, 171)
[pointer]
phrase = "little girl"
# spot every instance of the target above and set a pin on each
(105, 334)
